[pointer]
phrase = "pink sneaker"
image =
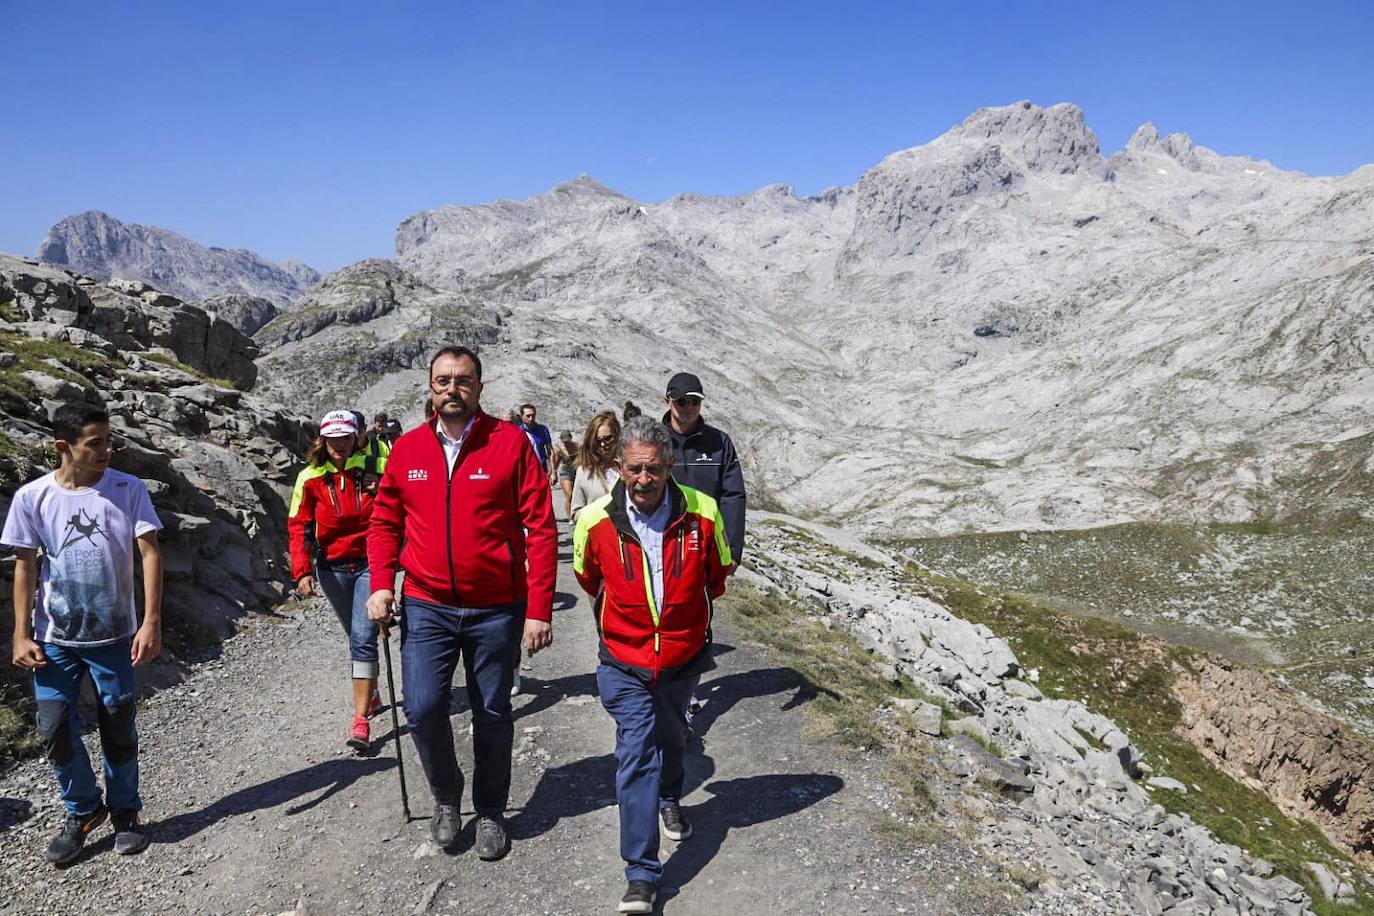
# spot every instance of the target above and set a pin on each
(360, 738)
(374, 705)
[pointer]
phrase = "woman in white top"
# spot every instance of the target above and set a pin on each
(596, 466)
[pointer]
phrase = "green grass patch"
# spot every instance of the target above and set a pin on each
(1128, 677)
(189, 370)
(34, 354)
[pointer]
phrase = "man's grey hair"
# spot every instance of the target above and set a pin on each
(643, 430)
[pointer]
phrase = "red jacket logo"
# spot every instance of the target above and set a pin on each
(417, 474)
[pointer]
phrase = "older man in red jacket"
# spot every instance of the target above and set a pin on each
(464, 510)
(655, 554)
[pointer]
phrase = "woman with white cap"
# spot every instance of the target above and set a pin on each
(333, 496)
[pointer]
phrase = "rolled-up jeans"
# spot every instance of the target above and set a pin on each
(434, 637)
(347, 585)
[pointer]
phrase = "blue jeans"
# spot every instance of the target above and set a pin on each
(57, 688)
(650, 733)
(347, 584)
(433, 638)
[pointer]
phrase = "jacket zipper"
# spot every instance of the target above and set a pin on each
(448, 514)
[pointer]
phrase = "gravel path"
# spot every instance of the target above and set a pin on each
(255, 805)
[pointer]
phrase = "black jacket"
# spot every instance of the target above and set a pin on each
(705, 460)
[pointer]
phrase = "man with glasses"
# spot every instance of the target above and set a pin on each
(462, 506)
(705, 460)
(704, 457)
(654, 555)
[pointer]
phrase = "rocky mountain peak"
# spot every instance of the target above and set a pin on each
(99, 245)
(1053, 139)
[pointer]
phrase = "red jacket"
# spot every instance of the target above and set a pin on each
(339, 508)
(463, 540)
(637, 634)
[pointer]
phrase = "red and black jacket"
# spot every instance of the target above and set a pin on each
(338, 507)
(463, 539)
(649, 638)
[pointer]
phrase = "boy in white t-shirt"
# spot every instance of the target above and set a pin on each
(86, 520)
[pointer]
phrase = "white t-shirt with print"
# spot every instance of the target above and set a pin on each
(86, 588)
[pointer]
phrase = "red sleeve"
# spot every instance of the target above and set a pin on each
(297, 523)
(541, 533)
(386, 527)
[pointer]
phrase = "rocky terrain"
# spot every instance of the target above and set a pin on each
(1002, 328)
(98, 245)
(1092, 806)
(218, 461)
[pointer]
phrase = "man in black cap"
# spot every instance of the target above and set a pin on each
(704, 457)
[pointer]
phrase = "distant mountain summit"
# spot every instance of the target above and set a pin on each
(98, 244)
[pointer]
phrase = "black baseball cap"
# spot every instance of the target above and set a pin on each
(684, 385)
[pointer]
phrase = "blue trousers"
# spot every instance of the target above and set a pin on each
(347, 584)
(57, 688)
(650, 733)
(434, 637)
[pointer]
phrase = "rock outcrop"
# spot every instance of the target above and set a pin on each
(364, 337)
(1075, 805)
(218, 462)
(1261, 735)
(247, 313)
(98, 245)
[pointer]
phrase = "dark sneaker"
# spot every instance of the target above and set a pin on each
(66, 846)
(492, 840)
(444, 827)
(129, 836)
(675, 823)
(639, 898)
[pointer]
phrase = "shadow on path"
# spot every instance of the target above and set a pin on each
(332, 776)
(721, 694)
(739, 803)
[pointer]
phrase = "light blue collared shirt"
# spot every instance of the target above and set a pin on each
(649, 529)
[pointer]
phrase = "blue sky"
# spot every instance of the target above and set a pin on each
(310, 130)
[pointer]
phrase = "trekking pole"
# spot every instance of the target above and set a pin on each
(396, 725)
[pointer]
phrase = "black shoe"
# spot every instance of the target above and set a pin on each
(129, 836)
(639, 898)
(675, 823)
(492, 840)
(444, 827)
(66, 846)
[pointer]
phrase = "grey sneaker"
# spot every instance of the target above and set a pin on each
(66, 846)
(444, 827)
(639, 898)
(129, 836)
(675, 823)
(492, 840)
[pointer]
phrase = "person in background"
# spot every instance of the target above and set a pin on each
(385, 429)
(330, 495)
(631, 411)
(374, 450)
(564, 468)
(596, 461)
(539, 434)
(74, 618)
(654, 555)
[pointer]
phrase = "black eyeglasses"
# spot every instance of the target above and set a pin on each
(692, 401)
(602, 440)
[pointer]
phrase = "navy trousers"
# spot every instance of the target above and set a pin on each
(433, 639)
(650, 734)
